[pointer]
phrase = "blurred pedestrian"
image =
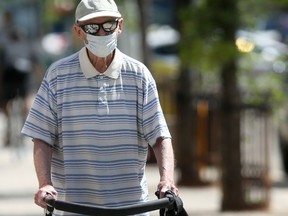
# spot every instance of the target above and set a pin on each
(15, 67)
(93, 117)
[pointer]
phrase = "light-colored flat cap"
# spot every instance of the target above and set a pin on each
(89, 9)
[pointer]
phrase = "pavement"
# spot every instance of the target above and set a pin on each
(18, 183)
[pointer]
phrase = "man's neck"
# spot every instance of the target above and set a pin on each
(100, 63)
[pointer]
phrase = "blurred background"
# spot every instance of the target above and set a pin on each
(221, 69)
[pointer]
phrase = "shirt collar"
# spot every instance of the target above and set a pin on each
(89, 70)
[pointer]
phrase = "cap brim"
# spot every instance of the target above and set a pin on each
(99, 14)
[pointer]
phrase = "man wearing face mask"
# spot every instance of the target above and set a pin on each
(93, 118)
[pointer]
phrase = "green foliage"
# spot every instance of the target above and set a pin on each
(251, 12)
(263, 89)
(130, 11)
(208, 42)
(204, 41)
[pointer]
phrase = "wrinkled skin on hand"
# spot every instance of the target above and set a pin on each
(40, 195)
(163, 186)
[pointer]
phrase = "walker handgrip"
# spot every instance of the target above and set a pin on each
(50, 204)
(175, 209)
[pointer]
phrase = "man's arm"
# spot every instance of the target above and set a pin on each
(42, 163)
(163, 151)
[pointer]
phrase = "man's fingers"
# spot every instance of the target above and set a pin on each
(39, 199)
(41, 194)
(163, 187)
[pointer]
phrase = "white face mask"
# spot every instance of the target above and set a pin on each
(101, 46)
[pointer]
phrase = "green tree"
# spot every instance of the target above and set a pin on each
(208, 44)
(207, 48)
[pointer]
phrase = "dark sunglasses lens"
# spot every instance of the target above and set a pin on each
(110, 26)
(91, 28)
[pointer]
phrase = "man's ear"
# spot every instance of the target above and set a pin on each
(79, 32)
(120, 26)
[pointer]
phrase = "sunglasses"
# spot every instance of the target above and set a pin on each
(93, 29)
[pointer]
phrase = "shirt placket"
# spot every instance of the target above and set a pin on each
(102, 95)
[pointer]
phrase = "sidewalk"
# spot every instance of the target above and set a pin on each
(18, 184)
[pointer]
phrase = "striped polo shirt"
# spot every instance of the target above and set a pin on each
(99, 126)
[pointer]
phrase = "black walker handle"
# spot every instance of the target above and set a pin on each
(50, 203)
(172, 204)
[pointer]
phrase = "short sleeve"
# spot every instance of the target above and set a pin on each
(154, 123)
(41, 122)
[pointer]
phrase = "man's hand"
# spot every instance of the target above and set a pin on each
(163, 186)
(40, 195)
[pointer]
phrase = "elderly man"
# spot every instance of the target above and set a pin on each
(93, 118)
